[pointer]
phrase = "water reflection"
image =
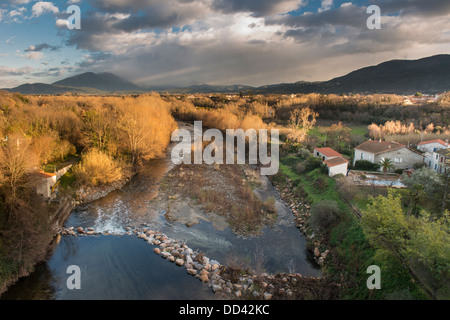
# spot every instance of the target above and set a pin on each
(112, 268)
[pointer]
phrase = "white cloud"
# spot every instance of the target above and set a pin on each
(8, 71)
(60, 23)
(326, 5)
(43, 7)
(20, 1)
(34, 55)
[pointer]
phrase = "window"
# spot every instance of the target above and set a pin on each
(362, 155)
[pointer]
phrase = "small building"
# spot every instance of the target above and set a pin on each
(326, 153)
(336, 165)
(433, 145)
(333, 160)
(46, 182)
(375, 151)
(441, 159)
(429, 148)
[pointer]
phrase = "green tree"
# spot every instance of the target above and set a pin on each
(421, 245)
(428, 253)
(426, 177)
(385, 224)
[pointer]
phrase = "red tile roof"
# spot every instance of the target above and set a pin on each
(375, 146)
(335, 161)
(328, 152)
(433, 141)
(45, 174)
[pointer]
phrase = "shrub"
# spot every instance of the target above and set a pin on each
(366, 165)
(312, 163)
(325, 215)
(303, 153)
(97, 168)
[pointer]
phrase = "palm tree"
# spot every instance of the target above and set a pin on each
(386, 164)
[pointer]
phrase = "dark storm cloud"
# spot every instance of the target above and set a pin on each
(257, 8)
(40, 47)
(348, 15)
(426, 8)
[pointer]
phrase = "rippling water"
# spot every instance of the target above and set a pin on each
(124, 267)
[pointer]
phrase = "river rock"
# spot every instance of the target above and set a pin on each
(267, 296)
(215, 267)
(157, 250)
(217, 288)
(165, 254)
(316, 252)
(171, 258)
(198, 266)
(189, 259)
(204, 278)
(179, 262)
(191, 271)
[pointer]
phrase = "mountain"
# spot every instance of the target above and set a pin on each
(87, 83)
(428, 75)
(205, 88)
(105, 81)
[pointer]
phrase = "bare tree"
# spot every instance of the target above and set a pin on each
(16, 161)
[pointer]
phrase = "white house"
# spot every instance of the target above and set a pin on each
(333, 160)
(326, 153)
(336, 165)
(433, 145)
(375, 151)
(46, 182)
(439, 160)
(430, 148)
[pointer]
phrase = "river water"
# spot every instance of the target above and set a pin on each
(122, 266)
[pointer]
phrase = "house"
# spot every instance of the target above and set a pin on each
(441, 158)
(375, 151)
(46, 183)
(333, 160)
(326, 153)
(429, 148)
(336, 165)
(433, 145)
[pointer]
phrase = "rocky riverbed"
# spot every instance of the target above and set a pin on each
(228, 282)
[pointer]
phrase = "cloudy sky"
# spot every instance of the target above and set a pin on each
(185, 42)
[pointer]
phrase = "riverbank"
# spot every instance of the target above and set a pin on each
(59, 211)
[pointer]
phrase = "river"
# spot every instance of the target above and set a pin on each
(121, 266)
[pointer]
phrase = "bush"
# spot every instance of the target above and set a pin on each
(303, 153)
(325, 215)
(312, 163)
(97, 167)
(366, 165)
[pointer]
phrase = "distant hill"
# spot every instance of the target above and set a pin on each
(428, 75)
(87, 83)
(105, 81)
(205, 88)
(42, 88)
